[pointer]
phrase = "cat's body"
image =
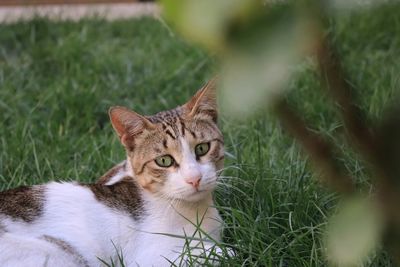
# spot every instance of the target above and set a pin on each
(138, 209)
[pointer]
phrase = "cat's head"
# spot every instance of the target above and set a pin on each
(176, 153)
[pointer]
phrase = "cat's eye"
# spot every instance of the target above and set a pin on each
(165, 161)
(201, 149)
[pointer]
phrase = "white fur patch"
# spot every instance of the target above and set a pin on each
(72, 214)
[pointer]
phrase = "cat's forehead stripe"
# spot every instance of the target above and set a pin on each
(170, 134)
(182, 128)
(165, 144)
(174, 125)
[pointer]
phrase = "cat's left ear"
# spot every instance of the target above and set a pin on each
(204, 101)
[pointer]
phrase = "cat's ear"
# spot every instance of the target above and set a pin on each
(204, 101)
(127, 123)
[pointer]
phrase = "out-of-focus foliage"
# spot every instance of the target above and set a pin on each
(354, 232)
(259, 44)
(209, 18)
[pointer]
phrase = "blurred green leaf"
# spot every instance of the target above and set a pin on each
(262, 58)
(258, 43)
(206, 21)
(249, 83)
(354, 232)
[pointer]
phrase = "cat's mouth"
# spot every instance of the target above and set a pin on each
(193, 195)
(200, 191)
(198, 194)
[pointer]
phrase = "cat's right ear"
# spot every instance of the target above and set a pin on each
(204, 101)
(127, 124)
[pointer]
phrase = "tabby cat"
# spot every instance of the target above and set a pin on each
(139, 209)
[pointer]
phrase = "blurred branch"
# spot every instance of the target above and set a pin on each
(353, 118)
(320, 151)
(376, 149)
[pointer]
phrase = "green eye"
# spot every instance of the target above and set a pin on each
(165, 161)
(201, 149)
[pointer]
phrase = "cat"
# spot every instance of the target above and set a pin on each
(139, 209)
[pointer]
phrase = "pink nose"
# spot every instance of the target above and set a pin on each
(194, 181)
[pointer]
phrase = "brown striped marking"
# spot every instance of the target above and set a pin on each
(123, 195)
(67, 248)
(170, 134)
(24, 202)
(165, 145)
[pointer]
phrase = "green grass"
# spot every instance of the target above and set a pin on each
(57, 81)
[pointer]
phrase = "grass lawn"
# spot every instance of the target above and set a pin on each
(58, 79)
